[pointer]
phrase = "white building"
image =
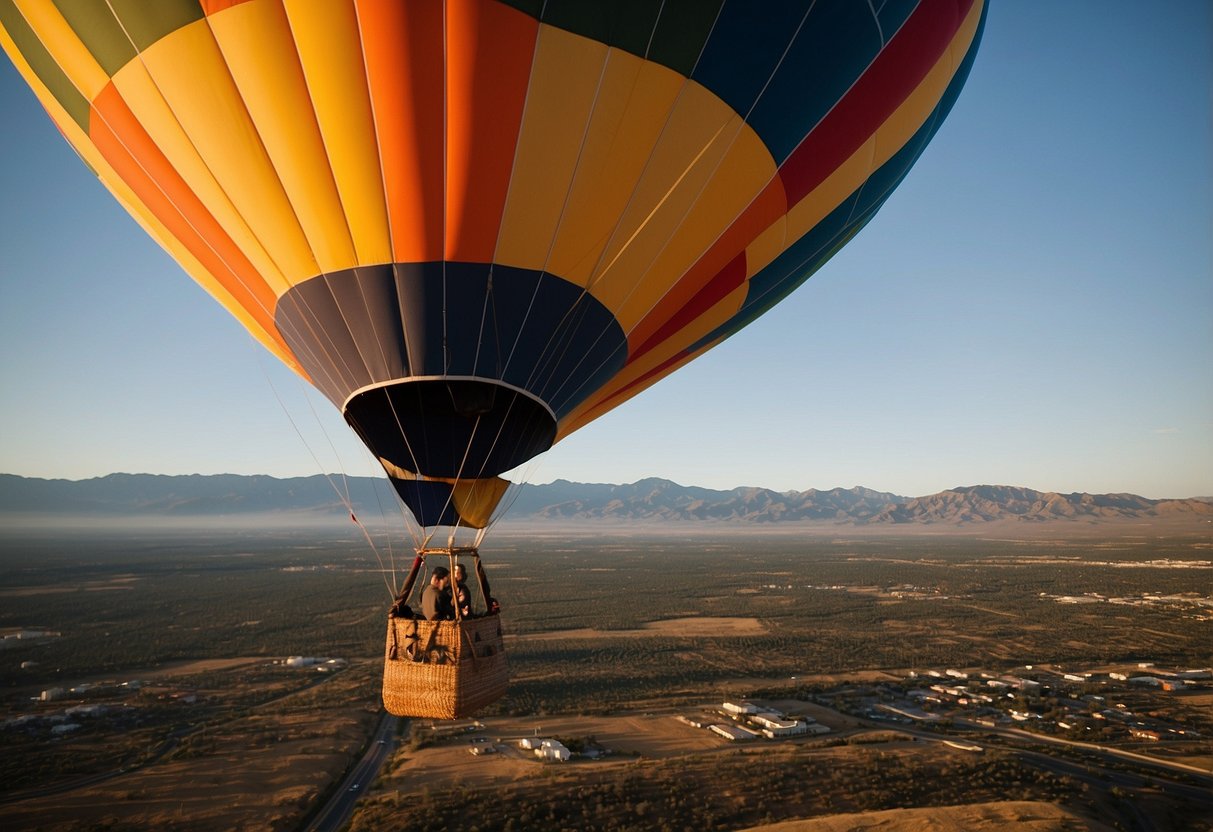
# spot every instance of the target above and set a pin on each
(786, 729)
(739, 708)
(553, 750)
(780, 727)
(734, 732)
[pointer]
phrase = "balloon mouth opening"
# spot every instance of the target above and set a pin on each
(452, 427)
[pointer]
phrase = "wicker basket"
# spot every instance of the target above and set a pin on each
(443, 669)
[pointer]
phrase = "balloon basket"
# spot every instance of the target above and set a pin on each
(443, 669)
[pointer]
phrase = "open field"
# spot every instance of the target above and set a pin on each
(1016, 814)
(692, 627)
(609, 635)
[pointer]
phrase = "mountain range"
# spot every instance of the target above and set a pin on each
(227, 495)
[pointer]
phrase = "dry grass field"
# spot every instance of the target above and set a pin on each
(690, 627)
(1019, 815)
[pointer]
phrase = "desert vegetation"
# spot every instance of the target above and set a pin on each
(596, 624)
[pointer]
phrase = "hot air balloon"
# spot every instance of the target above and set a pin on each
(478, 225)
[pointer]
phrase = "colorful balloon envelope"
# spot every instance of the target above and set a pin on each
(476, 226)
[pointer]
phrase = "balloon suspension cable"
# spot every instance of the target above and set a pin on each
(343, 494)
(172, 200)
(454, 586)
(512, 495)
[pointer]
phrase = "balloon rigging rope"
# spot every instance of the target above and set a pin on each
(343, 496)
(302, 303)
(183, 216)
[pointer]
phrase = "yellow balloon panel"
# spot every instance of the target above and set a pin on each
(631, 108)
(655, 242)
(560, 101)
(215, 124)
(259, 49)
(327, 38)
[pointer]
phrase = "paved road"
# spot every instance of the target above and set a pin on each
(340, 806)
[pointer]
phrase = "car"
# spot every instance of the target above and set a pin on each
(355, 787)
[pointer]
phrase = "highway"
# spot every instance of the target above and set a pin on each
(340, 806)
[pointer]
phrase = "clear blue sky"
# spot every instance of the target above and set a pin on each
(1034, 306)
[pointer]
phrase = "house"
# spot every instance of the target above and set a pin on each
(553, 750)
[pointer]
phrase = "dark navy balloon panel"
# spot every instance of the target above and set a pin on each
(452, 369)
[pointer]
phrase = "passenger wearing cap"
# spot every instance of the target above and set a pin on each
(436, 597)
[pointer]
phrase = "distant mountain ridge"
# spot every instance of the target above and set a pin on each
(196, 496)
(659, 499)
